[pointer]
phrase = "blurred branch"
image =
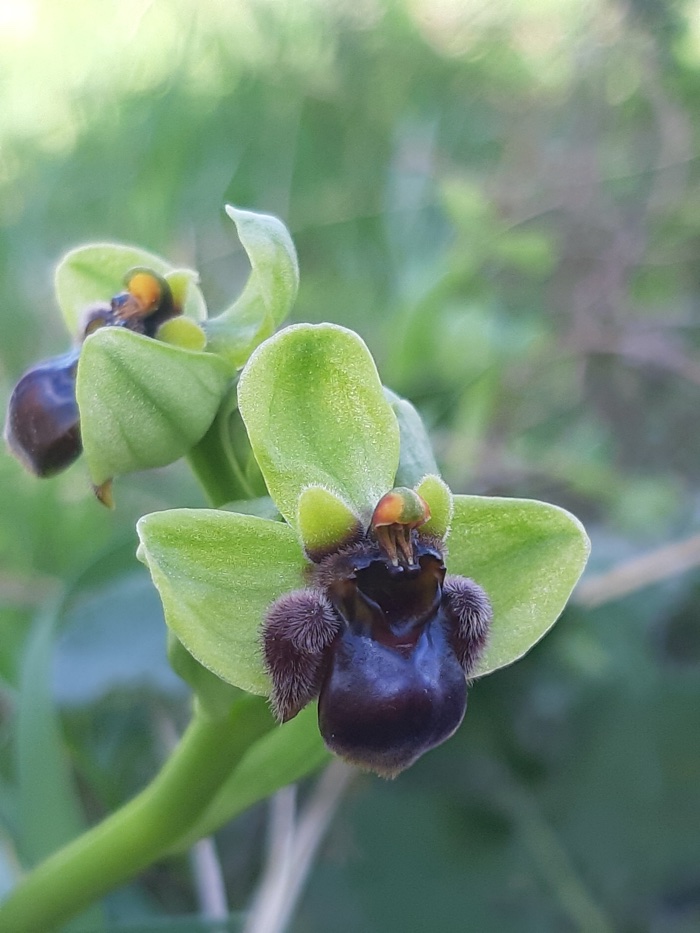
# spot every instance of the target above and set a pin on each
(293, 845)
(552, 860)
(209, 880)
(639, 572)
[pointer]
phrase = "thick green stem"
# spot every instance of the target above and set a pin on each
(132, 838)
(216, 470)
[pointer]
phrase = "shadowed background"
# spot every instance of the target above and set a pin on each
(503, 199)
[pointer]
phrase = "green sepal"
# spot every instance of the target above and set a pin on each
(324, 521)
(269, 293)
(143, 403)
(527, 555)
(214, 696)
(316, 415)
(416, 456)
(95, 273)
(437, 494)
(217, 573)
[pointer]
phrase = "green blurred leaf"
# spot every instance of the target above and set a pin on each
(185, 924)
(50, 813)
(527, 555)
(315, 412)
(95, 273)
(143, 403)
(269, 293)
(283, 756)
(217, 573)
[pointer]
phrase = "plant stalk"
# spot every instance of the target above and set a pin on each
(142, 830)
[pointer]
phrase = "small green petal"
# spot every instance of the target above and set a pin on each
(143, 403)
(437, 494)
(416, 457)
(316, 415)
(184, 284)
(182, 332)
(527, 555)
(217, 573)
(324, 520)
(269, 293)
(95, 273)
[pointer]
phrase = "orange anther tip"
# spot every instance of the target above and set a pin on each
(145, 288)
(401, 506)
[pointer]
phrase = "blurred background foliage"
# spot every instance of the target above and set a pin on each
(504, 200)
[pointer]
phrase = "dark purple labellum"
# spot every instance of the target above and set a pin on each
(43, 423)
(387, 649)
(383, 707)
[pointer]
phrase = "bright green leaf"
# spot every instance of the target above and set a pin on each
(316, 415)
(143, 403)
(217, 573)
(95, 274)
(527, 555)
(269, 293)
(416, 456)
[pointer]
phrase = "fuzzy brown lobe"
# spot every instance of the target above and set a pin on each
(387, 650)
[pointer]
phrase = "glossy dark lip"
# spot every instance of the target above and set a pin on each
(42, 428)
(386, 648)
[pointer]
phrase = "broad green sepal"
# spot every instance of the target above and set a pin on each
(143, 403)
(95, 273)
(217, 573)
(269, 293)
(437, 494)
(527, 555)
(316, 415)
(324, 521)
(416, 456)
